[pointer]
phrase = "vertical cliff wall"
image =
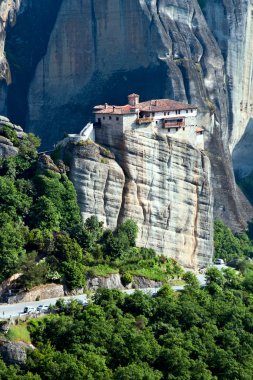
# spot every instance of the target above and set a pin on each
(163, 184)
(26, 44)
(8, 9)
(231, 22)
(101, 51)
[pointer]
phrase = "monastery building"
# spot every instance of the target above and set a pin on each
(161, 115)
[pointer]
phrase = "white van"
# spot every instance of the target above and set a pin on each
(29, 309)
(219, 262)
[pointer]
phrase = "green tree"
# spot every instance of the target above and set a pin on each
(12, 242)
(34, 273)
(44, 214)
(130, 228)
(137, 371)
(73, 274)
(226, 245)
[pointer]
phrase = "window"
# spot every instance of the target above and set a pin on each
(191, 110)
(110, 118)
(186, 111)
(103, 117)
(117, 118)
(164, 113)
(176, 129)
(153, 114)
(183, 128)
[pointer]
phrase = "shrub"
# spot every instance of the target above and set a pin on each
(126, 278)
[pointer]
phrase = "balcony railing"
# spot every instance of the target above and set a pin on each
(174, 124)
(144, 120)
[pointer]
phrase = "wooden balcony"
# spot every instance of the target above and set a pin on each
(144, 120)
(174, 123)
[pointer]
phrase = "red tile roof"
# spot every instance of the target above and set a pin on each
(157, 105)
(198, 130)
(116, 110)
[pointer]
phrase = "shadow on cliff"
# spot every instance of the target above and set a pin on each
(147, 82)
(26, 44)
(243, 162)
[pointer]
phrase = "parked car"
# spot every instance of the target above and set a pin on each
(29, 309)
(42, 308)
(218, 261)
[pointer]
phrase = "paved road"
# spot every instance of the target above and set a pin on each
(14, 310)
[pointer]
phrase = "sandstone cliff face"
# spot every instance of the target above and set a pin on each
(99, 51)
(8, 9)
(232, 25)
(164, 186)
(99, 183)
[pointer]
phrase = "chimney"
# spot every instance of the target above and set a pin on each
(133, 99)
(106, 105)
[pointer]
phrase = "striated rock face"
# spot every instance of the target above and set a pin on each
(99, 183)
(99, 51)
(8, 9)
(164, 186)
(232, 25)
(231, 22)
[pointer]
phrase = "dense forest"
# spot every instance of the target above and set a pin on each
(199, 334)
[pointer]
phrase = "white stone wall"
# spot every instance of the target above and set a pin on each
(183, 113)
(129, 122)
(200, 144)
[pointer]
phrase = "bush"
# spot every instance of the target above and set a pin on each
(126, 279)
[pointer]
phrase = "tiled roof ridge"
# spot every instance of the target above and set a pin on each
(152, 105)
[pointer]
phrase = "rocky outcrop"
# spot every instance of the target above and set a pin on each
(45, 162)
(145, 283)
(39, 293)
(111, 282)
(14, 352)
(161, 183)
(7, 148)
